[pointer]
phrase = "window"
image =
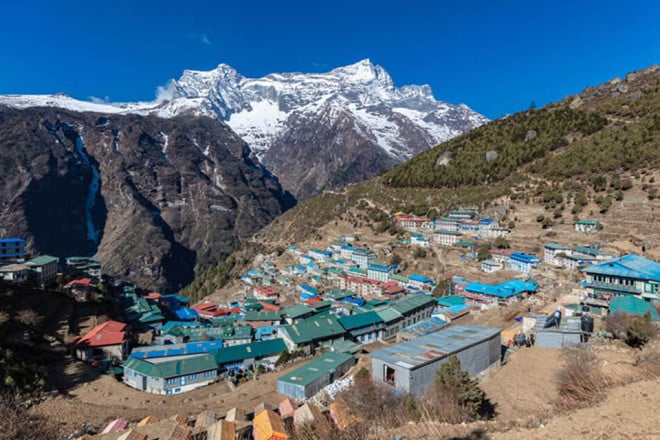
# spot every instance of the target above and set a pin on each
(389, 375)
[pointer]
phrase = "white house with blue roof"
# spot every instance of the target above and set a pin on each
(522, 262)
(627, 275)
(380, 271)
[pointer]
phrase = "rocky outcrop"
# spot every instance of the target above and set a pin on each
(157, 200)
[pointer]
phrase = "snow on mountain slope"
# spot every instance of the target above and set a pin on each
(258, 108)
(342, 126)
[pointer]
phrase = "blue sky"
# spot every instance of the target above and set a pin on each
(495, 56)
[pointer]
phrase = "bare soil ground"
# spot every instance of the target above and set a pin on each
(88, 397)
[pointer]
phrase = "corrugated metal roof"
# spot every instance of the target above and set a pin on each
(420, 351)
(360, 320)
(312, 329)
(633, 306)
(411, 302)
(316, 368)
(629, 266)
(42, 260)
(252, 350)
(172, 368)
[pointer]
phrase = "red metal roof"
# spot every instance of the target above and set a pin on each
(108, 333)
(266, 291)
(153, 295)
(313, 300)
(84, 282)
(270, 307)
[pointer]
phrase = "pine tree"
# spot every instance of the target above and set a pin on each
(450, 378)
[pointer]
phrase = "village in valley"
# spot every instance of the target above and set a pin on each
(300, 324)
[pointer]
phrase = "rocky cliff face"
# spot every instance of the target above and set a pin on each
(157, 200)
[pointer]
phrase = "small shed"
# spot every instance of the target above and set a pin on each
(305, 381)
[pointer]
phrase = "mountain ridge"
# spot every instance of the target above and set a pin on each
(358, 108)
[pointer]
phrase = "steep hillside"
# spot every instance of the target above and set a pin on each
(581, 157)
(157, 200)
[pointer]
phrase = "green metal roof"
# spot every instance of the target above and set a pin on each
(214, 333)
(398, 278)
(411, 302)
(464, 243)
(263, 316)
(313, 329)
(42, 260)
(253, 350)
(587, 222)
(172, 368)
(316, 368)
(450, 300)
(338, 294)
(556, 246)
(360, 320)
(320, 305)
(388, 314)
(295, 311)
(633, 306)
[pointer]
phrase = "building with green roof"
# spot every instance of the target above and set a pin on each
(311, 331)
(170, 375)
(244, 355)
(228, 334)
(633, 306)
(309, 379)
(295, 313)
(43, 269)
(392, 320)
(414, 308)
(363, 327)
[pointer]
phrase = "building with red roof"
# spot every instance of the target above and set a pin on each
(105, 341)
(263, 292)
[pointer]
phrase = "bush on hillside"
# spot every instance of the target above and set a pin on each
(581, 381)
(640, 331)
(457, 386)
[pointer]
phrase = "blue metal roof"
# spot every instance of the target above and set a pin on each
(180, 298)
(420, 278)
(503, 290)
(429, 348)
(155, 351)
(11, 240)
(629, 266)
(309, 289)
(168, 325)
(523, 257)
(186, 314)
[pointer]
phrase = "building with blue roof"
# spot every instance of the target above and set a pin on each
(627, 275)
(522, 262)
(421, 282)
(380, 271)
(505, 290)
(411, 366)
(168, 350)
(12, 250)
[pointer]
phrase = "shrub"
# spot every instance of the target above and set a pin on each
(455, 383)
(419, 253)
(617, 324)
(640, 331)
(581, 381)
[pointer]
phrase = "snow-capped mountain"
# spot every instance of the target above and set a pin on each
(314, 131)
(258, 109)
